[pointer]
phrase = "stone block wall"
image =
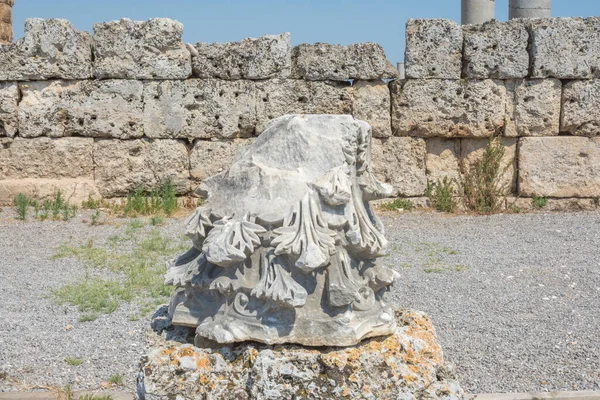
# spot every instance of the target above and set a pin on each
(131, 105)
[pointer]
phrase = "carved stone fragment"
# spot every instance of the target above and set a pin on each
(285, 247)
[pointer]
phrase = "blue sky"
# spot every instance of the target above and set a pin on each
(309, 21)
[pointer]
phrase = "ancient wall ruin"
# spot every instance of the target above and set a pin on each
(132, 104)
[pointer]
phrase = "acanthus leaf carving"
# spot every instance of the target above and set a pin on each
(276, 283)
(363, 236)
(180, 268)
(198, 225)
(342, 288)
(305, 234)
(335, 187)
(230, 242)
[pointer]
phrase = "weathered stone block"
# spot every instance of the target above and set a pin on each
(443, 159)
(9, 100)
(121, 166)
(472, 150)
(46, 158)
(74, 191)
(50, 49)
(496, 50)
(581, 108)
(433, 49)
(111, 108)
(533, 107)
(199, 108)
(448, 108)
(565, 48)
(209, 157)
(400, 161)
(372, 104)
(277, 97)
(150, 49)
(268, 56)
(322, 61)
(559, 167)
(408, 364)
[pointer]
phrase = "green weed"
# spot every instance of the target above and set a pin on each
(116, 379)
(22, 205)
(88, 317)
(160, 200)
(442, 198)
(481, 184)
(398, 204)
(96, 397)
(539, 202)
(95, 218)
(91, 204)
(156, 220)
(58, 203)
(47, 205)
(596, 201)
(74, 361)
(138, 263)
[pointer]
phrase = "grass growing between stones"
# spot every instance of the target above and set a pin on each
(539, 202)
(137, 263)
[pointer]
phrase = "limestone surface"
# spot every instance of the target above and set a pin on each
(9, 99)
(400, 162)
(49, 49)
(46, 158)
(565, 48)
(581, 108)
(199, 108)
(278, 97)
(74, 191)
(121, 166)
(559, 167)
(322, 61)
(433, 49)
(448, 108)
(209, 157)
(268, 56)
(443, 159)
(285, 247)
(150, 49)
(408, 364)
(496, 50)
(371, 103)
(533, 107)
(108, 108)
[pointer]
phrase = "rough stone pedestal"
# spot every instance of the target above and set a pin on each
(408, 364)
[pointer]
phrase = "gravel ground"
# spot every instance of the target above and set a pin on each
(515, 299)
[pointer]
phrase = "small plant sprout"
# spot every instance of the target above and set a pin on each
(116, 379)
(95, 218)
(22, 204)
(539, 202)
(74, 361)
